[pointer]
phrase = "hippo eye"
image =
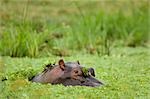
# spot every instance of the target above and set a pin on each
(76, 71)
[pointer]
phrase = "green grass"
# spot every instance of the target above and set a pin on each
(125, 74)
(38, 28)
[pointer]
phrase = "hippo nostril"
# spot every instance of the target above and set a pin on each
(82, 81)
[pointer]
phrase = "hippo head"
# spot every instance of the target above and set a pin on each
(75, 74)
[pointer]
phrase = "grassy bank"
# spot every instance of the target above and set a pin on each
(38, 28)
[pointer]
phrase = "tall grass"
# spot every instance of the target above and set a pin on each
(22, 41)
(93, 32)
(96, 32)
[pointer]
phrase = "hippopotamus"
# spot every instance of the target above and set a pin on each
(68, 74)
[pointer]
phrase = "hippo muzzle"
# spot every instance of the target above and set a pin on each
(88, 81)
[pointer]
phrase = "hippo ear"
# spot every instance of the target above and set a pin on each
(62, 64)
(91, 71)
(78, 62)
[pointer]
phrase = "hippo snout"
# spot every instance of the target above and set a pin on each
(88, 81)
(91, 81)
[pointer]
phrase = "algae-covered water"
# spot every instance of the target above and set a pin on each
(125, 74)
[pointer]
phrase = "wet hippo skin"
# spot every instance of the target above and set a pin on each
(68, 74)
